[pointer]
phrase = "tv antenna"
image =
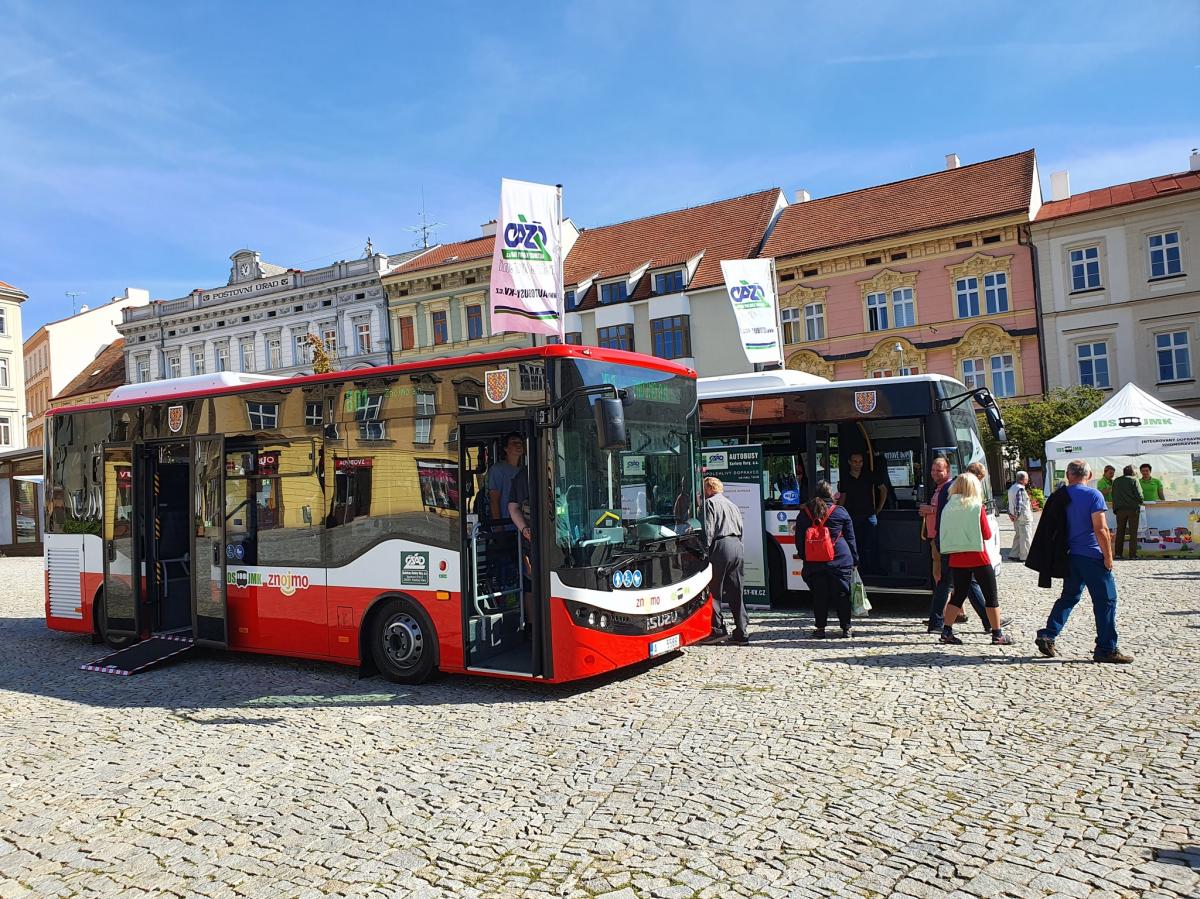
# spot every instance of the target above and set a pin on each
(426, 228)
(73, 294)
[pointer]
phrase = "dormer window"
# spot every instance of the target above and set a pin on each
(615, 292)
(668, 282)
(569, 300)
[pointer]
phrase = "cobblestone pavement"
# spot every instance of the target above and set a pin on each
(885, 765)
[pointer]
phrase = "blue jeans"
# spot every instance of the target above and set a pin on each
(1102, 586)
(941, 593)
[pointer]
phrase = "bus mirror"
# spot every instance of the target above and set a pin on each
(610, 424)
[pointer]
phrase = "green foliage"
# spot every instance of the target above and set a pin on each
(1031, 424)
(1036, 495)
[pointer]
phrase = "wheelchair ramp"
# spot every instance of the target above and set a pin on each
(140, 656)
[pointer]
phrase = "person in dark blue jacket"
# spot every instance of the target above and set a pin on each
(829, 582)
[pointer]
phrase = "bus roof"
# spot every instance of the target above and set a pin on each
(210, 385)
(774, 382)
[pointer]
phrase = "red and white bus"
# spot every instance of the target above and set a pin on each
(346, 517)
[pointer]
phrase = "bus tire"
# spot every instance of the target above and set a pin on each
(99, 624)
(403, 642)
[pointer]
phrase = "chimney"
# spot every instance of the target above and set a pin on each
(952, 161)
(803, 196)
(488, 228)
(1194, 161)
(1060, 186)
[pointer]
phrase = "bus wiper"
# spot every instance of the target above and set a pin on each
(612, 564)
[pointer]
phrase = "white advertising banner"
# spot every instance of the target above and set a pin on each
(526, 284)
(751, 288)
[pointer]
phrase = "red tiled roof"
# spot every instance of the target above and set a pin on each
(1121, 195)
(105, 372)
(726, 229)
(448, 254)
(970, 193)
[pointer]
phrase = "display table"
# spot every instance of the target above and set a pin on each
(1166, 526)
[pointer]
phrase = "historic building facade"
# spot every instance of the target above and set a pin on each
(654, 285)
(932, 274)
(259, 321)
(12, 369)
(1120, 285)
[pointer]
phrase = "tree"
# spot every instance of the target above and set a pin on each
(321, 361)
(1031, 424)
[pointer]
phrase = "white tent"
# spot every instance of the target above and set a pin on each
(1132, 423)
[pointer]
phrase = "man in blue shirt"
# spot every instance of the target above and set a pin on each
(1089, 552)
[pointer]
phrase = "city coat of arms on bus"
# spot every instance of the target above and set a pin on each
(864, 401)
(175, 418)
(496, 385)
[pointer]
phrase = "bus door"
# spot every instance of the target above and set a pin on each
(122, 575)
(502, 585)
(209, 613)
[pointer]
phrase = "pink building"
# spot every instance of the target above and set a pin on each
(932, 274)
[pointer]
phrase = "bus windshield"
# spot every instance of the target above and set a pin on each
(637, 498)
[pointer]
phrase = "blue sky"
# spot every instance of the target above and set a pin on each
(142, 143)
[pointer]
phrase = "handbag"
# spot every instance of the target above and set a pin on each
(860, 606)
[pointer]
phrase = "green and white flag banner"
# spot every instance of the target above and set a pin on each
(526, 283)
(750, 284)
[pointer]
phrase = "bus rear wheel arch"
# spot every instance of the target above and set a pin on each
(400, 640)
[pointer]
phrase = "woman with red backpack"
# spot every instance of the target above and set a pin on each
(825, 540)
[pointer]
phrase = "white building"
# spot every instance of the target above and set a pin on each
(57, 352)
(258, 320)
(1119, 272)
(12, 369)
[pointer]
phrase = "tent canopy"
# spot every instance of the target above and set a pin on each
(1132, 423)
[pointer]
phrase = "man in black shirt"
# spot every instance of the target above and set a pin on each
(862, 493)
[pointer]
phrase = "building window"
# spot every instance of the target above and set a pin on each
(1004, 375)
(263, 416)
(533, 377)
(314, 414)
(1174, 360)
(910, 370)
(1085, 269)
(1164, 255)
(142, 364)
(468, 402)
(877, 312)
(904, 308)
(1093, 364)
(814, 321)
(362, 337)
(3, 320)
(407, 334)
(4, 382)
(198, 362)
(973, 374)
(5, 431)
(367, 415)
(618, 337)
(441, 327)
(223, 357)
(967, 292)
(668, 282)
(614, 292)
(995, 292)
(274, 352)
(790, 319)
(574, 338)
(174, 366)
(302, 352)
(423, 433)
(426, 403)
(329, 338)
(670, 337)
(474, 322)
(569, 300)
(246, 353)
(881, 373)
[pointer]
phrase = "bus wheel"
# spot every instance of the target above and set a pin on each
(402, 642)
(100, 623)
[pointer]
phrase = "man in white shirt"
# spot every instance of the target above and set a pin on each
(1020, 513)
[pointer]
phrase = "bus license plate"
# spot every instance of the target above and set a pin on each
(658, 647)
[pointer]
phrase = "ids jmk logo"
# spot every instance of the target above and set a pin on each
(524, 239)
(241, 578)
(748, 295)
(414, 569)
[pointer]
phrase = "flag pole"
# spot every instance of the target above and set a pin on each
(778, 312)
(562, 288)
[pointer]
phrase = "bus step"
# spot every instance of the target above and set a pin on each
(132, 659)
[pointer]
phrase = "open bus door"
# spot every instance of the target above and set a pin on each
(120, 620)
(210, 616)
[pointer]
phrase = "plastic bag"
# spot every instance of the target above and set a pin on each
(860, 606)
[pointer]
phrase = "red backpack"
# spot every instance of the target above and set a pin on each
(818, 545)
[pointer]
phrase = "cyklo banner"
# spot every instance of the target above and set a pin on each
(526, 284)
(751, 288)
